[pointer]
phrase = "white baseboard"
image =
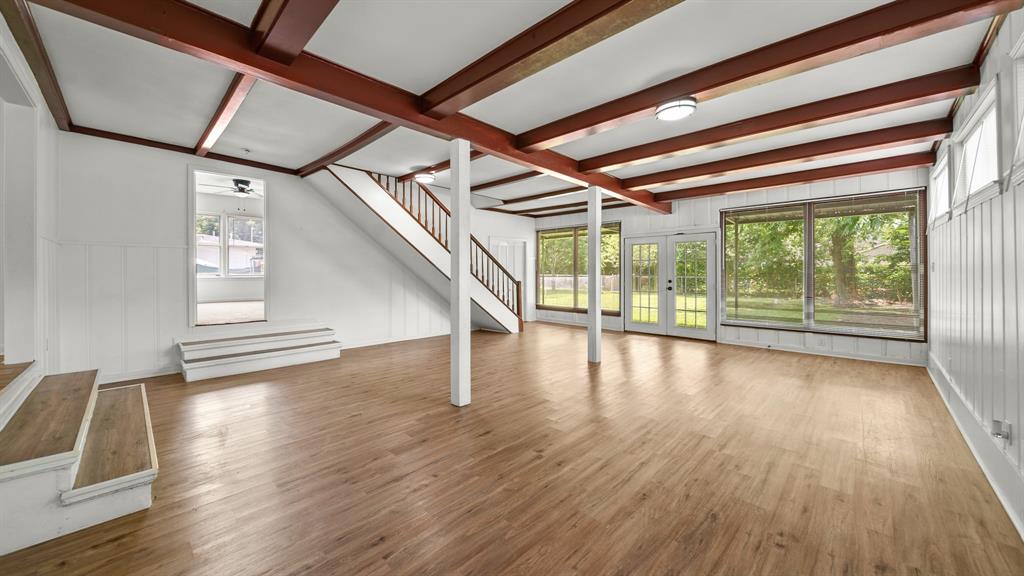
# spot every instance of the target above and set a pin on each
(832, 353)
(1002, 475)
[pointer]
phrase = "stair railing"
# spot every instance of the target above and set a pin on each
(435, 218)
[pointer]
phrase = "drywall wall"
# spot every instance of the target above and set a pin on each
(702, 215)
(977, 286)
(123, 261)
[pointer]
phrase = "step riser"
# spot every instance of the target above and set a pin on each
(243, 366)
(33, 511)
(263, 344)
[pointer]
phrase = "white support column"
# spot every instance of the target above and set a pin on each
(594, 274)
(458, 239)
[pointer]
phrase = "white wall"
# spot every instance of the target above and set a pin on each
(702, 215)
(123, 273)
(977, 287)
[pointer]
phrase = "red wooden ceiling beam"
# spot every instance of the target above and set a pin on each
(23, 27)
(282, 28)
(572, 29)
(229, 105)
(439, 167)
(919, 132)
(806, 176)
(192, 31)
(896, 96)
(882, 27)
(374, 133)
(505, 180)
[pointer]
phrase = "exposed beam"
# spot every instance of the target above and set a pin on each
(934, 87)
(23, 27)
(282, 28)
(176, 148)
(577, 211)
(887, 25)
(806, 176)
(192, 31)
(361, 141)
(505, 180)
(439, 167)
(560, 206)
(572, 29)
(919, 132)
(229, 105)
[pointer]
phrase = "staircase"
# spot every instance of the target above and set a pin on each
(264, 348)
(73, 455)
(411, 223)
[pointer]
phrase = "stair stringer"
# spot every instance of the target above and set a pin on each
(371, 208)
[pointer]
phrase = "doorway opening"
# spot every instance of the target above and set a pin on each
(670, 286)
(228, 246)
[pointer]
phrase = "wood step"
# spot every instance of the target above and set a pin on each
(8, 372)
(314, 345)
(253, 337)
(119, 442)
(50, 419)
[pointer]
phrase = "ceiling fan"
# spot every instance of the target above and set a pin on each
(242, 188)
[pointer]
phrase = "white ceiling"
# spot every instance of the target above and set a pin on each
(241, 11)
(415, 44)
(399, 152)
(118, 83)
(287, 128)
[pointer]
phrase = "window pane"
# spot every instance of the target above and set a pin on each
(691, 284)
(985, 166)
(764, 265)
(611, 245)
(865, 265)
(207, 244)
(582, 270)
(554, 268)
(208, 259)
(939, 201)
(245, 247)
(645, 283)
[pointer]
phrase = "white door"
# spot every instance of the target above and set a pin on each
(670, 287)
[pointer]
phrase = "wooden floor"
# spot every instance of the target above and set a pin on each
(8, 372)
(48, 422)
(672, 457)
(118, 442)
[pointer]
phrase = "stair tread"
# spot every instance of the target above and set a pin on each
(251, 336)
(255, 352)
(118, 441)
(47, 423)
(8, 372)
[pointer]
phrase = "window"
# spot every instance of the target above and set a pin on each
(939, 202)
(245, 247)
(208, 249)
(857, 257)
(978, 164)
(562, 269)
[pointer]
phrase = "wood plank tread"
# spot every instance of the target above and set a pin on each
(118, 441)
(8, 372)
(253, 336)
(258, 352)
(47, 423)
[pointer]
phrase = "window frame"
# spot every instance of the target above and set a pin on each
(226, 242)
(942, 164)
(808, 325)
(987, 103)
(219, 244)
(575, 270)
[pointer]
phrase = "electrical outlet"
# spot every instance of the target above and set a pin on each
(1002, 430)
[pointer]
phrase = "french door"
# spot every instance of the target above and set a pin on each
(670, 285)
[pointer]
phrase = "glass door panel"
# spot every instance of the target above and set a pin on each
(693, 286)
(644, 286)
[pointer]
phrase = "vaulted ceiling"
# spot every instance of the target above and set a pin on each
(554, 95)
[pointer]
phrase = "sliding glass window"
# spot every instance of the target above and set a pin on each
(847, 266)
(562, 269)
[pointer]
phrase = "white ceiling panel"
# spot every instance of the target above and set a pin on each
(118, 83)
(924, 56)
(548, 202)
(848, 159)
(241, 11)
(287, 128)
(932, 111)
(484, 169)
(415, 44)
(526, 187)
(399, 152)
(687, 37)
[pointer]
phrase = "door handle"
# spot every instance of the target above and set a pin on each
(669, 288)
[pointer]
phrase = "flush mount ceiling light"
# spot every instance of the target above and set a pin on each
(425, 178)
(676, 109)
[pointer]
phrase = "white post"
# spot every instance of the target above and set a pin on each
(594, 274)
(461, 281)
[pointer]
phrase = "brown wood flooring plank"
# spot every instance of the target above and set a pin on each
(275, 334)
(255, 352)
(118, 440)
(47, 423)
(8, 372)
(669, 457)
